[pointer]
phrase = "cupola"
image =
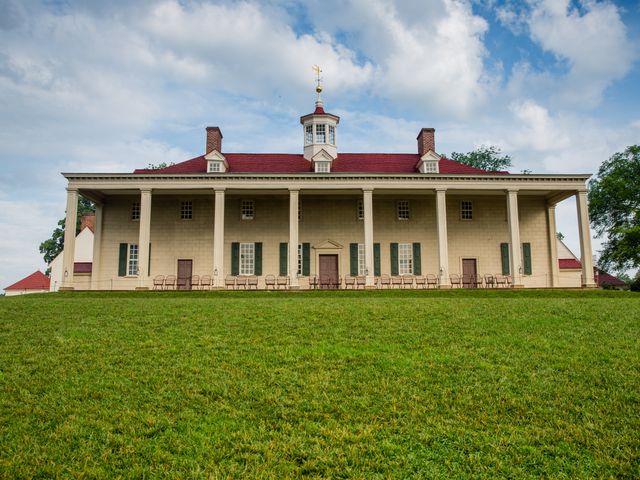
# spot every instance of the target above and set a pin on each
(320, 134)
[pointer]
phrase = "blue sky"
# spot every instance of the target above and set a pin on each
(112, 86)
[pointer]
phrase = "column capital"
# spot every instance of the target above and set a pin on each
(146, 190)
(582, 192)
(294, 190)
(367, 189)
(440, 189)
(513, 190)
(219, 189)
(72, 189)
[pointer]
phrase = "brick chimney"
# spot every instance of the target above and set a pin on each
(214, 140)
(88, 220)
(426, 140)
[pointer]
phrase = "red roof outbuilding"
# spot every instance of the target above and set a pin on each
(36, 281)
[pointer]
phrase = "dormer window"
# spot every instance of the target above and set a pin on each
(332, 135)
(320, 134)
(323, 167)
(429, 163)
(215, 167)
(430, 167)
(308, 134)
(216, 162)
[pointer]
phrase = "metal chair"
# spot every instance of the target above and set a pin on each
(421, 281)
(432, 280)
(349, 281)
(361, 281)
(158, 282)
(252, 281)
(230, 281)
(282, 281)
(407, 280)
(170, 282)
(270, 282)
(195, 282)
(205, 282)
(455, 279)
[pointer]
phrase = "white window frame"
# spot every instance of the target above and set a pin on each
(247, 259)
(332, 135)
(321, 133)
(186, 210)
(430, 167)
(403, 210)
(133, 257)
(466, 210)
(360, 210)
(405, 259)
(323, 167)
(247, 209)
(299, 259)
(308, 134)
(215, 167)
(362, 260)
(135, 211)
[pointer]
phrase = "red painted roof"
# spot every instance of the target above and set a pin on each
(608, 279)
(569, 263)
(36, 281)
(296, 163)
(319, 110)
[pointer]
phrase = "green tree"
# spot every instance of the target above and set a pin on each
(614, 209)
(486, 157)
(159, 166)
(52, 246)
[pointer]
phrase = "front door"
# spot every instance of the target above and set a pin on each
(469, 273)
(184, 274)
(329, 271)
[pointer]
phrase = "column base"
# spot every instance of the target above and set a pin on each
(294, 287)
(218, 289)
(66, 289)
(370, 287)
(444, 287)
(518, 286)
(141, 289)
(589, 285)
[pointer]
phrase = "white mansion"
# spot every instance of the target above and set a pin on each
(228, 217)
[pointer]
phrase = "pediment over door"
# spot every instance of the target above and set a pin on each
(327, 245)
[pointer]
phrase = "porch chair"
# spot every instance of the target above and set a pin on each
(158, 282)
(170, 282)
(337, 284)
(325, 281)
(489, 281)
(252, 281)
(468, 281)
(421, 281)
(478, 281)
(432, 280)
(349, 281)
(270, 282)
(407, 280)
(384, 280)
(455, 280)
(181, 284)
(205, 282)
(282, 281)
(509, 281)
(195, 282)
(241, 281)
(361, 281)
(230, 281)
(501, 280)
(396, 281)
(313, 282)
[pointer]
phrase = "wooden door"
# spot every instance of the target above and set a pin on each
(184, 274)
(469, 272)
(328, 271)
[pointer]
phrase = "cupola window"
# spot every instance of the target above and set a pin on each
(308, 134)
(332, 135)
(320, 134)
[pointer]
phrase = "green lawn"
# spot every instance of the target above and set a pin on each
(455, 384)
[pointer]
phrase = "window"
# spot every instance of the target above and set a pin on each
(466, 210)
(332, 135)
(215, 167)
(323, 167)
(405, 259)
(403, 210)
(360, 210)
(362, 265)
(132, 261)
(135, 211)
(299, 259)
(308, 134)
(247, 209)
(186, 210)
(430, 167)
(247, 258)
(320, 134)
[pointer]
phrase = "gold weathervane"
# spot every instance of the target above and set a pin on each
(318, 71)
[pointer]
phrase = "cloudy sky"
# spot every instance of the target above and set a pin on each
(110, 86)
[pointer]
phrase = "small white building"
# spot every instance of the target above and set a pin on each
(83, 257)
(37, 282)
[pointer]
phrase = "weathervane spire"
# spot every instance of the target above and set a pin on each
(318, 71)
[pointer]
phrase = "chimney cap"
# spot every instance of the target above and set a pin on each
(422, 130)
(213, 129)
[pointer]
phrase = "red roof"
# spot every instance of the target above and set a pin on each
(569, 263)
(605, 278)
(296, 163)
(36, 281)
(319, 110)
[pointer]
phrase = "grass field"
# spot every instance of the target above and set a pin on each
(457, 384)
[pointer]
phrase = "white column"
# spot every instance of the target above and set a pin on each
(443, 238)
(293, 239)
(68, 257)
(585, 240)
(97, 249)
(553, 246)
(218, 240)
(143, 239)
(514, 236)
(367, 203)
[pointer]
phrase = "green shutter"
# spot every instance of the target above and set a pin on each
(376, 259)
(394, 259)
(306, 259)
(353, 259)
(235, 258)
(526, 257)
(149, 264)
(504, 252)
(122, 260)
(257, 258)
(417, 261)
(283, 258)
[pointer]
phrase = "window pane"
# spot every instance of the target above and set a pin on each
(135, 211)
(320, 134)
(247, 209)
(186, 210)
(360, 210)
(361, 260)
(403, 210)
(132, 268)
(466, 210)
(299, 259)
(308, 134)
(405, 258)
(247, 258)
(332, 135)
